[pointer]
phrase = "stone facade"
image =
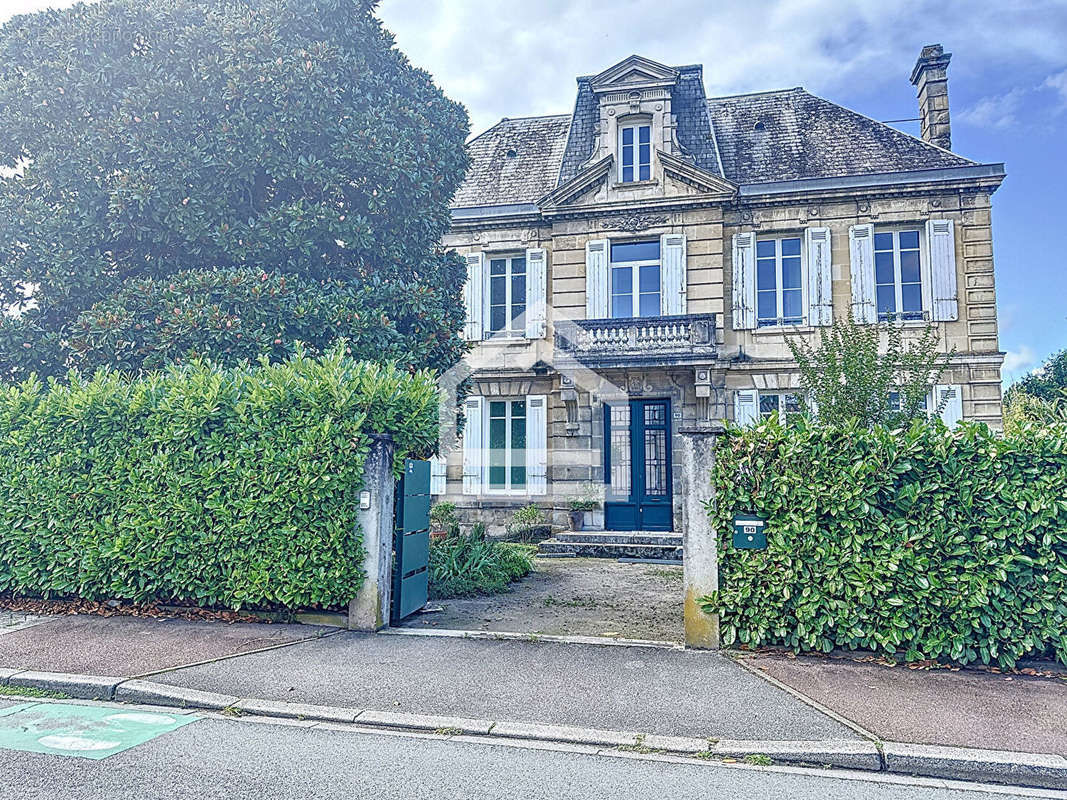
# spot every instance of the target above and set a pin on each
(698, 360)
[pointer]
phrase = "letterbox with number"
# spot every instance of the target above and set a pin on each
(750, 532)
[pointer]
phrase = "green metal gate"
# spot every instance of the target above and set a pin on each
(411, 541)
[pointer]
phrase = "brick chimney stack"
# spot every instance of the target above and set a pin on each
(930, 77)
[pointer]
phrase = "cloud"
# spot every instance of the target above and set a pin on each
(1058, 83)
(996, 111)
(1016, 361)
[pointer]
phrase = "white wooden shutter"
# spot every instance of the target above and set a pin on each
(941, 245)
(472, 298)
(438, 475)
(951, 394)
(596, 279)
(536, 444)
(861, 258)
(746, 407)
(473, 445)
(672, 274)
(744, 305)
(820, 277)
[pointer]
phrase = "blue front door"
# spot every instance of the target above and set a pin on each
(637, 466)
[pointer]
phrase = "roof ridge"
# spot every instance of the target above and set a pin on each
(532, 116)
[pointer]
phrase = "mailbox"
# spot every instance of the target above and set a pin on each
(749, 532)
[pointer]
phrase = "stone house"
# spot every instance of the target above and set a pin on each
(635, 266)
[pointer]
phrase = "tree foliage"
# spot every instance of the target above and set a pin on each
(222, 178)
(1048, 383)
(853, 369)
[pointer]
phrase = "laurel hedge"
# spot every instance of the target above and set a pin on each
(924, 543)
(233, 487)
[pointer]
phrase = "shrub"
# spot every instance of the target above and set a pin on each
(467, 566)
(527, 523)
(935, 543)
(443, 516)
(234, 487)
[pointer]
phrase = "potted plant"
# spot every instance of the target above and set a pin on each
(443, 521)
(578, 506)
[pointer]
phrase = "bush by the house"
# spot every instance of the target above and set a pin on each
(471, 565)
(932, 543)
(228, 487)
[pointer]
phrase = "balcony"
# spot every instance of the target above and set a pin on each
(685, 339)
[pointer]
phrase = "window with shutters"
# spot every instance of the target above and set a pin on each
(784, 404)
(507, 296)
(779, 282)
(896, 402)
(506, 423)
(635, 152)
(635, 279)
(898, 274)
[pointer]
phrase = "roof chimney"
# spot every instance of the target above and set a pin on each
(930, 77)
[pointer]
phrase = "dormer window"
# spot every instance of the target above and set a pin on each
(635, 152)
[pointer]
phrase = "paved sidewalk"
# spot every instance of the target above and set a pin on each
(674, 692)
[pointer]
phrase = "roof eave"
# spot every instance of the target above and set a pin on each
(989, 174)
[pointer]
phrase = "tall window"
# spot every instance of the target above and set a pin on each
(507, 445)
(635, 152)
(782, 403)
(897, 275)
(507, 295)
(635, 287)
(779, 282)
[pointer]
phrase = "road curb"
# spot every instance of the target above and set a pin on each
(956, 763)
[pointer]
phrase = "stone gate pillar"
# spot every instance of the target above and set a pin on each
(369, 610)
(699, 541)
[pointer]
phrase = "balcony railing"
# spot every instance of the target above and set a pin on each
(688, 338)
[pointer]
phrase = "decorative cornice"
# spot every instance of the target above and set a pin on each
(695, 176)
(658, 75)
(633, 222)
(577, 185)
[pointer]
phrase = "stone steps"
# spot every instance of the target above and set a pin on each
(643, 545)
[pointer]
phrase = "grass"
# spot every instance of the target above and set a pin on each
(468, 566)
(29, 691)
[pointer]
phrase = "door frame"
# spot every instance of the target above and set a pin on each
(617, 514)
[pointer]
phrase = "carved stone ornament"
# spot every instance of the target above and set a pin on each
(633, 222)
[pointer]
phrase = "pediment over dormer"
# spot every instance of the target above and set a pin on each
(633, 73)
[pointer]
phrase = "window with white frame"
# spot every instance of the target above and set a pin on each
(635, 152)
(898, 274)
(507, 445)
(896, 402)
(507, 295)
(784, 404)
(635, 279)
(779, 282)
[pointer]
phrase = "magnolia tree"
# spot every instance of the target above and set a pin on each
(871, 373)
(218, 178)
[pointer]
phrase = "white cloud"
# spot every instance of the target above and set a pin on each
(1058, 82)
(996, 111)
(1016, 361)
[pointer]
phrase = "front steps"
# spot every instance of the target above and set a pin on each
(640, 545)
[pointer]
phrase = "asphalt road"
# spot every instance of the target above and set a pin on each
(235, 759)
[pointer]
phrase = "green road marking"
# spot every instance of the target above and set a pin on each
(85, 731)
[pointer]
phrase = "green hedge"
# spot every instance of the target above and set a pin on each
(224, 487)
(938, 544)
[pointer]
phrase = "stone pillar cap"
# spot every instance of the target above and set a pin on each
(933, 56)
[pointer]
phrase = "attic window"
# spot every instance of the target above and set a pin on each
(512, 153)
(759, 127)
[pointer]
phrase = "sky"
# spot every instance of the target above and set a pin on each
(1007, 91)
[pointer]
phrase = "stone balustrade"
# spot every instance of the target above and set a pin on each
(681, 339)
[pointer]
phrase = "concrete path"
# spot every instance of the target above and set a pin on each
(242, 759)
(575, 596)
(967, 708)
(128, 646)
(676, 692)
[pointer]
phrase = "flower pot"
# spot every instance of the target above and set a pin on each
(577, 519)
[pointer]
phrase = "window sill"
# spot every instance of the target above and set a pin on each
(635, 184)
(506, 341)
(782, 330)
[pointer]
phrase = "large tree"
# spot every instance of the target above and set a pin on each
(222, 178)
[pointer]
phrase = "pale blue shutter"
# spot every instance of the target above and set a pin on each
(473, 445)
(861, 266)
(941, 246)
(472, 298)
(536, 444)
(746, 407)
(596, 279)
(672, 274)
(820, 277)
(744, 295)
(536, 293)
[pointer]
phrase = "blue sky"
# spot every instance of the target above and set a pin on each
(1007, 89)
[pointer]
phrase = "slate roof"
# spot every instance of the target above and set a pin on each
(802, 136)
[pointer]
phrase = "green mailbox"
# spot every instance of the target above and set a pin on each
(749, 532)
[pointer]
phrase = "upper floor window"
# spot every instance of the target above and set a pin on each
(779, 282)
(507, 445)
(507, 295)
(898, 275)
(635, 279)
(635, 152)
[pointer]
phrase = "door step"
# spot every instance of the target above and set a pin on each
(596, 544)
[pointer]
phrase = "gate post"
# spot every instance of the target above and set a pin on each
(699, 538)
(369, 610)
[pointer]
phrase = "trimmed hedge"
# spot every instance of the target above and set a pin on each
(939, 544)
(221, 487)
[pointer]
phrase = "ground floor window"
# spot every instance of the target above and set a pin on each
(507, 445)
(784, 404)
(896, 402)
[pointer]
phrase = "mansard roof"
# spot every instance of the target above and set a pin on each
(747, 139)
